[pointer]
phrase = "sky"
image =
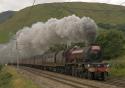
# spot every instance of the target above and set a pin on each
(20, 4)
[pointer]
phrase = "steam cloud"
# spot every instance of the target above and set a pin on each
(40, 36)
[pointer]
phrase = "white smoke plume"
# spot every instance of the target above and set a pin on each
(40, 36)
(8, 52)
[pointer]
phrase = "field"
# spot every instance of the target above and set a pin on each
(9, 78)
(101, 13)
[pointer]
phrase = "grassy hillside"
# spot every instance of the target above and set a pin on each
(6, 15)
(101, 13)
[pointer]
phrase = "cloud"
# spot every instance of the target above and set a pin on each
(14, 4)
(19, 4)
(50, 1)
(118, 2)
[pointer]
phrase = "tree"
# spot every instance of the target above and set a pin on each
(112, 42)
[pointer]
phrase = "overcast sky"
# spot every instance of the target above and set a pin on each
(19, 4)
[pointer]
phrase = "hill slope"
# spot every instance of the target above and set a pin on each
(101, 13)
(6, 15)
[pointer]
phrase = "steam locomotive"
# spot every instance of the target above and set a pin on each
(82, 62)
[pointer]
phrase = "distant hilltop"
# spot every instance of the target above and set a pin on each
(6, 15)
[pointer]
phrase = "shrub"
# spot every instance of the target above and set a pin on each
(112, 42)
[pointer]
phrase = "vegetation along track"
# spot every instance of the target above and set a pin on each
(68, 80)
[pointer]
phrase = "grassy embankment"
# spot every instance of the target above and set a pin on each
(10, 78)
(117, 67)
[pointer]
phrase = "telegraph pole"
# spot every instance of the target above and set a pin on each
(17, 58)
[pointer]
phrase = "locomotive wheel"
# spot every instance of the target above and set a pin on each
(102, 76)
(86, 74)
(91, 75)
(74, 71)
(68, 70)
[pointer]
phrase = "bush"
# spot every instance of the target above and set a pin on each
(106, 26)
(112, 42)
(1, 66)
(5, 79)
(112, 26)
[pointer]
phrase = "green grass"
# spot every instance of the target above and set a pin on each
(5, 80)
(9, 78)
(101, 13)
(118, 67)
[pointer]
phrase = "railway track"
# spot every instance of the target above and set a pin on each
(68, 80)
(120, 82)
